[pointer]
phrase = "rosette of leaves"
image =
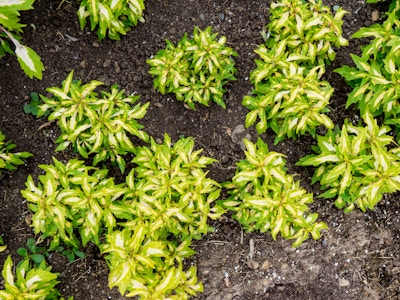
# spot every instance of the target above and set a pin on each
(289, 96)
(309, 29)
(92, 124)
(112, 17)
(196, 69)
(292, 101)
(9, 160)
(262, 196)
(74, 204)
(375, 79)
(148, 267)
(356, 165)
(10, 30)
(29, 281)
(170, 189)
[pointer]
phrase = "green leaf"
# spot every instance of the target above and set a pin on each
(30, 62)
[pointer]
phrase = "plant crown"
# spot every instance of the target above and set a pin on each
(264, 197)
(376, 77)
(112, 17)
(289, 96)
(30, 281)
(196, 69)
(356, 165)
(151, 218)
(92, 124)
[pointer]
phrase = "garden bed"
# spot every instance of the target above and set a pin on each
(357, 258)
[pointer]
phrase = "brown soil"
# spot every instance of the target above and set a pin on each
(358, 258)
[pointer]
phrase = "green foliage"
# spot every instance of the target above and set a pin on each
(71, 253)
(92, 124)
(34, 106)
(9, 160)
(144, 225)
(29, 282)
(196, 69)
(112, 17)
(375, 79)
(293, 102)
(289, 96)
(171, 190)
(33, 252)
(308, 28)
(2, 246)
(74, 204)
(149, 267)
(264, 197)
(10, 28)
(356, 165)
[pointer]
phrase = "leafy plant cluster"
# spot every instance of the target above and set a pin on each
(111, 17)
(264, 197)
(93, 124)
(29, 282)
(10, 160)
(144, 225)
(356, 165)
(196, 69)
(289, 96)
(376, 76)
(10, 30)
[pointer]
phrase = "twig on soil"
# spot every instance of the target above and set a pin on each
(217, 242)
(45, 125)
(83, 274)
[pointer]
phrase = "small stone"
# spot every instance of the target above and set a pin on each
(158, 104)
(252, 264)
(375, 16)
(107, 63)
(202, 17)
(117, 69)
(221, 16)
(82, 64)
(343, 282)
(265, 265)
(248, 33)
(96, 44)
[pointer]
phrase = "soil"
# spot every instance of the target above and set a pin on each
(357, 258)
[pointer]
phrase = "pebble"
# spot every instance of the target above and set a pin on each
(265, 265)
(96, 44)
(343, 282)
(248, 33)
(252, 264)
(107, 63)
(117, 69)
(221, 16)
(375, 16)
(82, 64)
(202, 17)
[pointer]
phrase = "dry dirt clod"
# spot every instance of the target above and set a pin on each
(265, 265)
(252, 264)
(375, 15)
(343, 282)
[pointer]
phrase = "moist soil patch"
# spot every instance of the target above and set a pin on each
(357, 258)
